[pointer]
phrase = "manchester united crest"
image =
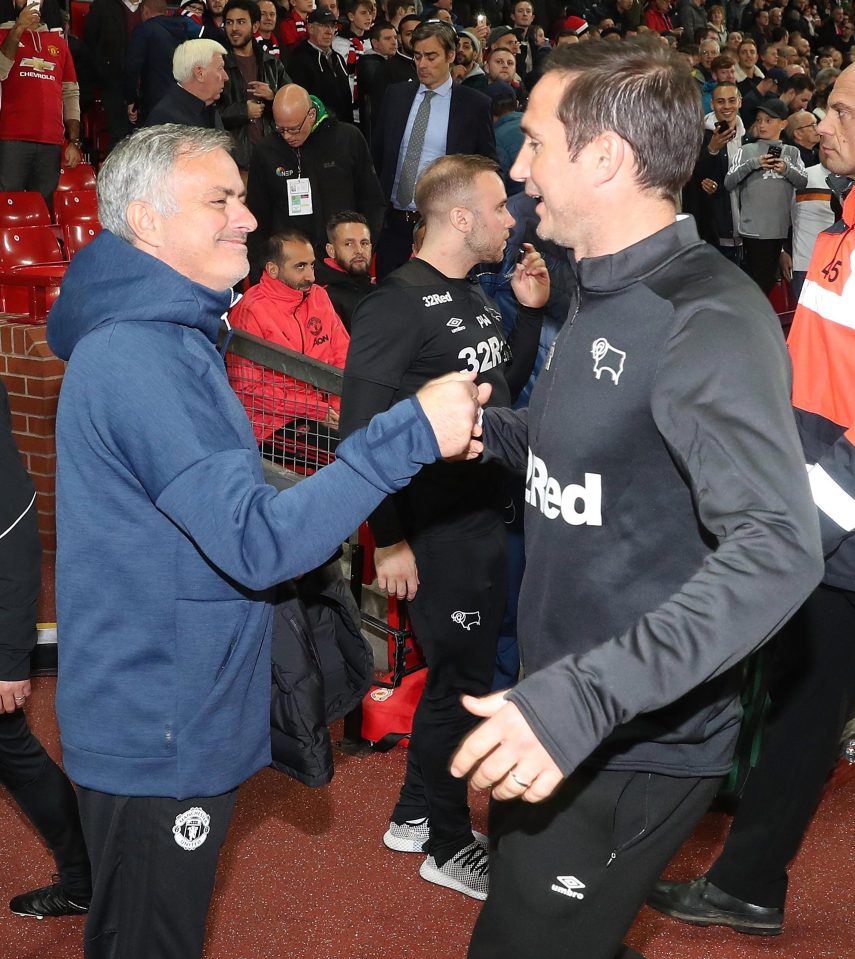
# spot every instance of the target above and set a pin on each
(191, 828)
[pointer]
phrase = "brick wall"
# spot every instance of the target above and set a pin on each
(33, 375)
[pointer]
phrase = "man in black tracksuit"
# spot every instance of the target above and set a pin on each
(442, 543)
(669, 526)
(35, 782)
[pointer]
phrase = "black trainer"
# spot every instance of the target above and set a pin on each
(700, 903)
(47, 901)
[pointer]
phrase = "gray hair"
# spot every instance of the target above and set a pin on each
(192, 54)
(140, 168)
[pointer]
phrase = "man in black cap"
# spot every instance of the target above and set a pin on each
(765, 174)
(317, 67)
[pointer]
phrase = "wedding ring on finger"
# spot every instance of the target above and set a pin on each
(518, 781)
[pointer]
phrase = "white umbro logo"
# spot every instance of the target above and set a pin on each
(570, 886)
(456, 324)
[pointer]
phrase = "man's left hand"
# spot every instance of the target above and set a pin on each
(530, 281)
(13, 695)
(504, 754)
(72, 156)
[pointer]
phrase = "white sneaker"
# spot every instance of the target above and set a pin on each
(411, 836)
(467, 872)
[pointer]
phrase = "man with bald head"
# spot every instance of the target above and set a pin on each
(309, 168)
(802, 133)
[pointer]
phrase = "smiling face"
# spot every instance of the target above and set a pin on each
(726, 101)
(837, 129)
(205, 240)
(545, 166)
(267, 23)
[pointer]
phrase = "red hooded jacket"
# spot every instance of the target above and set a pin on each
(303, 322)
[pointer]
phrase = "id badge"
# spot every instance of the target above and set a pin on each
(299, 197)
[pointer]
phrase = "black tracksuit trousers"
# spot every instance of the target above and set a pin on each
(36, 783)
(569, 875)
(456, 616)
(812, 692)
(154, 860)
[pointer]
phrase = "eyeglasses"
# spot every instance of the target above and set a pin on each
(290, 131)
(808, 126)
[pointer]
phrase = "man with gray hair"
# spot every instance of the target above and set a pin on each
(170, 542)
(200, 76)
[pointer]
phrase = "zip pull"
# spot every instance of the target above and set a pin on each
(612, 858)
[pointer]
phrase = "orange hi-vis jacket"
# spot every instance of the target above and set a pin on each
(822, 347)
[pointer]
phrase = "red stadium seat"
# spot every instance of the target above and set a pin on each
(76, 235)
(74, 206)
(31, 270)
(81, 177)
(23, 209)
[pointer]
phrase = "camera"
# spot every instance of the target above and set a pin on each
(722, 126)
(774, 151)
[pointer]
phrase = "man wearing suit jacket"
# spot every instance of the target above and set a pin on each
(418, 123)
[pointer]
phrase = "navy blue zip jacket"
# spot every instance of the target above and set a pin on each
(168, 537)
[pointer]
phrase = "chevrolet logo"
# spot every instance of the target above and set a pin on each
(37, 63)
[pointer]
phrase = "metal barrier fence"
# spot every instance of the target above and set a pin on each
(292, 402)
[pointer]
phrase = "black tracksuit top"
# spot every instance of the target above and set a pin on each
(669, 527)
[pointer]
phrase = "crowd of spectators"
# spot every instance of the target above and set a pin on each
(221, 64)
(144, 62)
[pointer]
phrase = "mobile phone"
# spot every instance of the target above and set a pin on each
(774, 151)
(481, 19)
(722, 126)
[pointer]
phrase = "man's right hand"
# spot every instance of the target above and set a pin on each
(396, 570)
(451, 404)
(720, 140)
(254, 109)
(28, 19)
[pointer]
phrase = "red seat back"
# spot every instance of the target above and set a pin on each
(80, 177)
(75, 206)
(23, 209)
(76, 235)
(24, 246)
(21, 246)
